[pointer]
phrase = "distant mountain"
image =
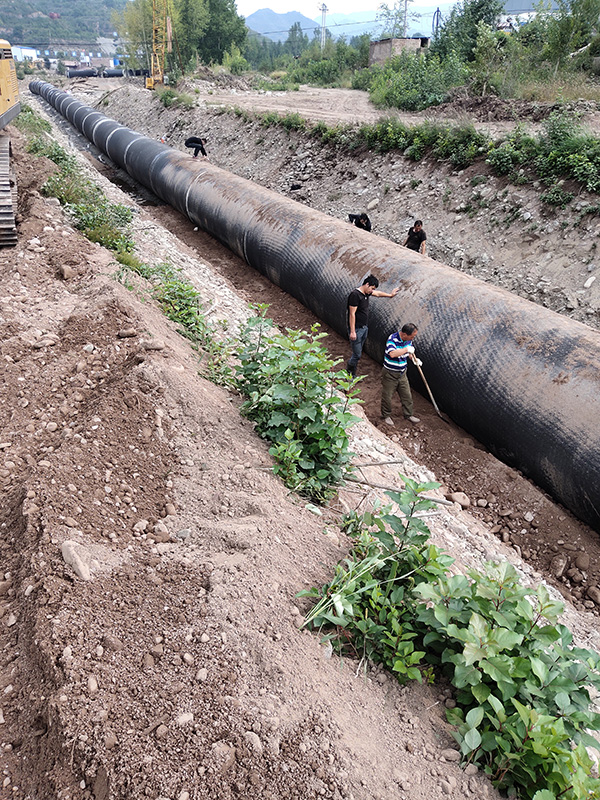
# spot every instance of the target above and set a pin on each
(276, 26)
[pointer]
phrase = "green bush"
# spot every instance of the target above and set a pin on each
(293, 398)
(522, 689)
(168, 97)
(414, 82)
(557, 196)
(103, 222)
(28, 120)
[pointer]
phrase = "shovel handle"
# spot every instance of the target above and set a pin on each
(424, 379)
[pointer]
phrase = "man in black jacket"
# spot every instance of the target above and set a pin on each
(198, 144)
(360, 220)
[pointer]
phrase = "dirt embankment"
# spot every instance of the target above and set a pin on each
(148, 621)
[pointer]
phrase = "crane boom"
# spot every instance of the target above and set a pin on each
(159, 43)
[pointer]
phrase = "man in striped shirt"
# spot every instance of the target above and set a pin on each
(398, 349)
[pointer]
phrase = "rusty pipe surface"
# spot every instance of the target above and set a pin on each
(520, 378)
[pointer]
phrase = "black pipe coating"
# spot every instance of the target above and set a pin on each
(83, 72)
(522, 379)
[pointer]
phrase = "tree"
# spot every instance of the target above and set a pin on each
(296, 41)
(134, 26)
(570, 27)
(459, 31)
(192, 23)
(395, 19)
(224, 28)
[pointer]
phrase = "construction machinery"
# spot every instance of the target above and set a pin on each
(9, 108)
(159, 44)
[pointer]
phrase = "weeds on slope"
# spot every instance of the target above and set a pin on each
(298, 403)
(563, 150)
(522, 688)
(92, 213)
(181, 302)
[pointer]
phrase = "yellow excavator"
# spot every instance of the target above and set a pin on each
(10, 106)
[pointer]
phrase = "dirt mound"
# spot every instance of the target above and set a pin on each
(490, 108)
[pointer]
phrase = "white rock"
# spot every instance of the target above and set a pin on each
(254, 741)
(589, 282)
(77, 558)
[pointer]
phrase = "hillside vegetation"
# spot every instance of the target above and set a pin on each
(72, 21)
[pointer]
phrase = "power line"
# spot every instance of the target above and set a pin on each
(95, 45)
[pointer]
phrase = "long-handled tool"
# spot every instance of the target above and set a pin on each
(435, 405)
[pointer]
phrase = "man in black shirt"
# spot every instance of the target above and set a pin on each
(360, 220)
(358, 317)
(416, 238)
(198, 144)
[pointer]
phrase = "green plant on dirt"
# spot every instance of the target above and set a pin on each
(181, 303)
(234, 61)
(293, 396)
(168, 97)
(522, 688)
(102, 221)
(27, 120)
(413, 82)
(556, 196)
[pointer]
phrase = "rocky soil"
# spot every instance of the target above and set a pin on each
(151, 640)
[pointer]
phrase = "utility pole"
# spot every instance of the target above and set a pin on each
(323, 29)
(437, 18)
(404, 27)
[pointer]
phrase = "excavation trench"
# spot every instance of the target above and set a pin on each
(521, 379)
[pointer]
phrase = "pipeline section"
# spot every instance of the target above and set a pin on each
(521, 379)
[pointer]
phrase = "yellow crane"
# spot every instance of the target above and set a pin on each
(159, 43)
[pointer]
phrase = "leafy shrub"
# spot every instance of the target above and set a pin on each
(103, 222)
(414, 82)
(292, 397)
(31, 122)
(522, 688)
(168, 97)
(556, 196)
(293, 122)
(234, 61)
(322, 72)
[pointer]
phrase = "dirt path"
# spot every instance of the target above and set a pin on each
(344, 106)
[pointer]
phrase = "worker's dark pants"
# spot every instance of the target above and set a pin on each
(395, 382)
(357, 348)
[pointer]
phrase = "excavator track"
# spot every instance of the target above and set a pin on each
(8, 196)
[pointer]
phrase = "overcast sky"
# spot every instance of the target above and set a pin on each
(311, 9)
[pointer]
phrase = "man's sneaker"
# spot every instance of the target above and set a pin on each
(389, 421)
(414, 420)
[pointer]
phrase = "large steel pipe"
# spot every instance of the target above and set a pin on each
(523, 380)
